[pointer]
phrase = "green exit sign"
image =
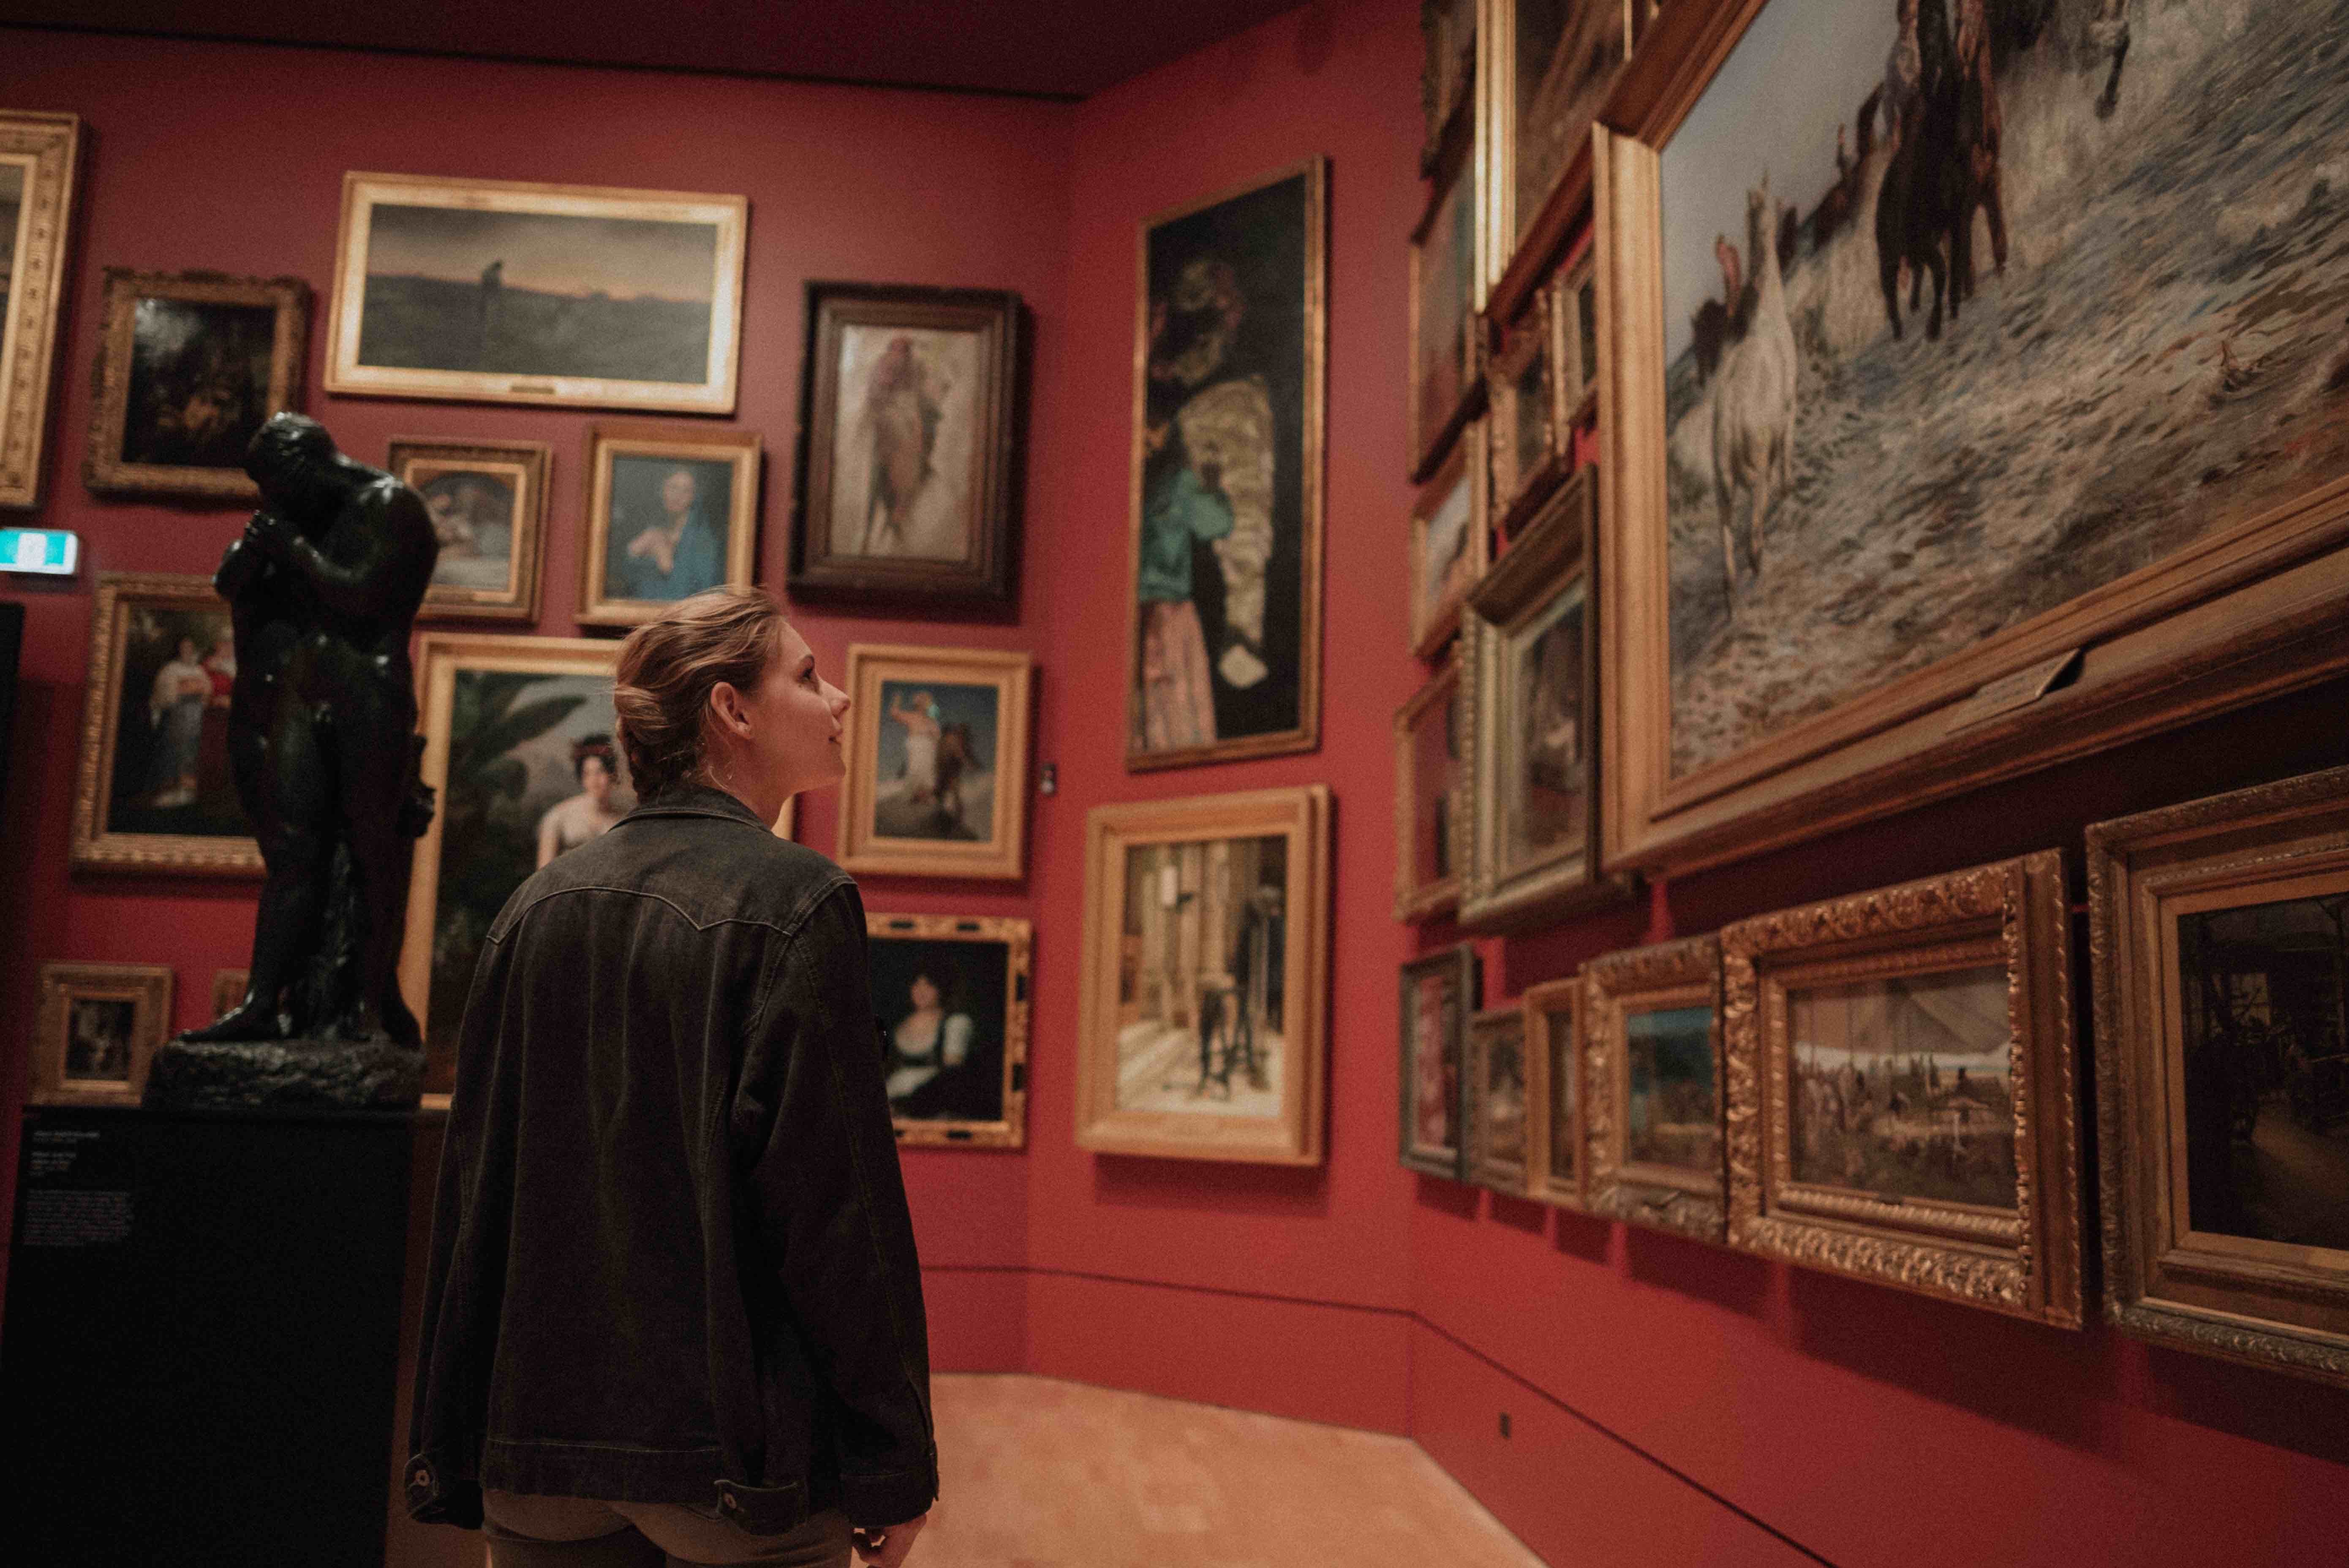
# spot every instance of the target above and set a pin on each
(51, 551)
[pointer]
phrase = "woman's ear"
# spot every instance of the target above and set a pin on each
(727, 711)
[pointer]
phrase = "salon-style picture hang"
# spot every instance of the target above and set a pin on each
(1225, 651)
(38, 157)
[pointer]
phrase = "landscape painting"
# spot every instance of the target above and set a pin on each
(1673, 1114)
(1975, 307)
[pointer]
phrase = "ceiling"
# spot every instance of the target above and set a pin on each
(1052, 49)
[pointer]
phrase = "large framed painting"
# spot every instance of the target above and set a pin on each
(2220, 931)
(1901, 1103)
(153, 792)
(672, 512)
(938, 762)
(909, 459)
(950, 993)
(488, 501)
(1557, 1169)
(1448, 77)
(1548, 67)
(504, 291)
(1446, 377)
(1451, 542)
(1440, 991)
(39, 161)
(1493, 1097)
(189, 367)
(1231, 320)
(1653, 1124)
(1972, 411)
(1203, 1023)
(1431, 780)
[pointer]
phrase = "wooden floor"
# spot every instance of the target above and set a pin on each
(1043, 1474)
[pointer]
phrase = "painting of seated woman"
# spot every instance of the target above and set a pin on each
(671, 513)
(950, 997)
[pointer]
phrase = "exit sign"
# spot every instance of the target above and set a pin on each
(51, 551)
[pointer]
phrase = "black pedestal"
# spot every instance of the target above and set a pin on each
(202, 1338)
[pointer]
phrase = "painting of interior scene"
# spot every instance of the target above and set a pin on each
(1202, 974)
(1672, 1116)
(1563, 1093)
(199, 381)
(669, 526)
(170, 727)
(934, 761)
(1567, 53)
(941, 1005)
(538, 294)
(1902, 1086)
(2264, 1009)
(1974, 306)
(473, 517)
(906, 444)
(98, 1039)
(1501, 1096)
(1435, 1019)
(1547, 806)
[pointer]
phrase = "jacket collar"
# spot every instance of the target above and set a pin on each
(694, 800)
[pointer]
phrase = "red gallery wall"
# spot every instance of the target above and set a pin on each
(1670, 1403)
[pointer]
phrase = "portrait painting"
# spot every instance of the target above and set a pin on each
(1979, 346)
(155, 791)
(98, 1029)
(1225, 657)
(40, 154)
(1202, 1032)
(937, 762)
(488, 502)
(1431, 775)
(908, 477)
(506, 291)
(190, 364)
(1451, 544)
(1551, 64)
(1444, 298)
(950, 993)
(672, 512)
(1440, 991)
(1653, 1131)
(1554, 1055)
(1495, 1103)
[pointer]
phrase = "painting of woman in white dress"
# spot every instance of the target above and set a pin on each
(936, 775)
(170, 771)
(941, 1003)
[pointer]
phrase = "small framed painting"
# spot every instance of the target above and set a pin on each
(1450, 543)
(1430, 797)
(1653, 1121)
(938, 762)
(908, 471)
(1557, 1169)
(39, 161)
(1573, 317)
(189, 367)
(672, 512)
(2220, 936)
(488, 501)
(1445, 371)
(1440, 991)
(1494, 1112)
(99, 1028)
(1201, 1028)
(950, 993)
(1901, 1088)
(1529, 445)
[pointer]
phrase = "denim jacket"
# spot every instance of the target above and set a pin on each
(672, 1258)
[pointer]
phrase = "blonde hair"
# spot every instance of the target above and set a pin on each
(667, 668)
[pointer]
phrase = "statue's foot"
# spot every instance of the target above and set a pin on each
(250, 1020)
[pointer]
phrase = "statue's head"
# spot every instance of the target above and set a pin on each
(293, 459)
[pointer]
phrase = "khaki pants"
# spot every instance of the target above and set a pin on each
(527, 1531)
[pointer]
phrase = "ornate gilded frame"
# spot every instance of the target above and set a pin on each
(527, 466)
(1460, 966)
(2263, 1303)
(702, 443)
(1667, 977)
(1439, 701)
(1010, 1129)
(1488, 1032)
(2026, 1261)
(1556, 1053)
(1432, 624)
(46, 150)
(1002, 853)
(148, 988)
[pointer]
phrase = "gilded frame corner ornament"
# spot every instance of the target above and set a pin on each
(47, 149)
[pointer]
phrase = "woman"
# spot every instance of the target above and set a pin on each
(674, 1315)
(920, 715)
(924, 1048)
(676, 557)
(175, 711)
(575, 819)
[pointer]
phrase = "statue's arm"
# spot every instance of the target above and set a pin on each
(400, 548)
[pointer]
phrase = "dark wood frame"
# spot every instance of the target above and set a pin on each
(536, 459)
(1466, 970)
(1018, 936)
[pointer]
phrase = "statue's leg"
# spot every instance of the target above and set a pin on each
(293, 847)
(373, 758)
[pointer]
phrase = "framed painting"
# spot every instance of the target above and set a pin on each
(153, 792)
(488, 501)
(1557, 1168)
(1547, 67)
(938, 762)
(1203, 1029)
(502, 292)
(1446, 368)
(1451, 542)
(909, 458)
(2222, 1073)
(1530, 442)
(951, 994)
(189, 367)
(1653, 1124)
(1440, 991)
(1530, 648)
(672, 512)
(1493, 1113)
(1901, 1103)
(1447, 78)
(1573, 315)
(1430, 797)
(1984, 569)
(1231, 322)
(39, 163)
(99, 1028)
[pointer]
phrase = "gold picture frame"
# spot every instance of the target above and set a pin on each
(620, 298)
(1445, 385)
(439, 468)
(1178, 926)
(1447, 77)
(1493, 1120)
(172, 816)
(2237, 897)
(1537, 113)
(632, 471)
(1428, 819)
(935, 1111)
(101, 1026)
(1557, 1165)
(1654, 1021)
(949, 725)
(1858, 1142)
(1437, 994)
(1572, 297)
(40, 158)
(1528, 441)
(1455, 498)
(193, 449)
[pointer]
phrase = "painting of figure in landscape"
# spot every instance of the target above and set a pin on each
(907, 450)
(1203, 977)
(1973, 308)
(1673, 1115)
(934, 763)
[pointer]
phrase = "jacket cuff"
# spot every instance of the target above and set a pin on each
(436, 1495)
(878, 1500)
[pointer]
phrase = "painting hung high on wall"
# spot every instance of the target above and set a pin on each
(1548, 65)
(1448, 77)
(39, 155)
(498, 291)
(1444, 299)
(1653, 1123)
(672, 512)
(488, 502)
(98, 1029)
(1451, 543)
(937, 762)
(1225, 652)
(1440, 991)
(1965, 349)
(950, 993)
